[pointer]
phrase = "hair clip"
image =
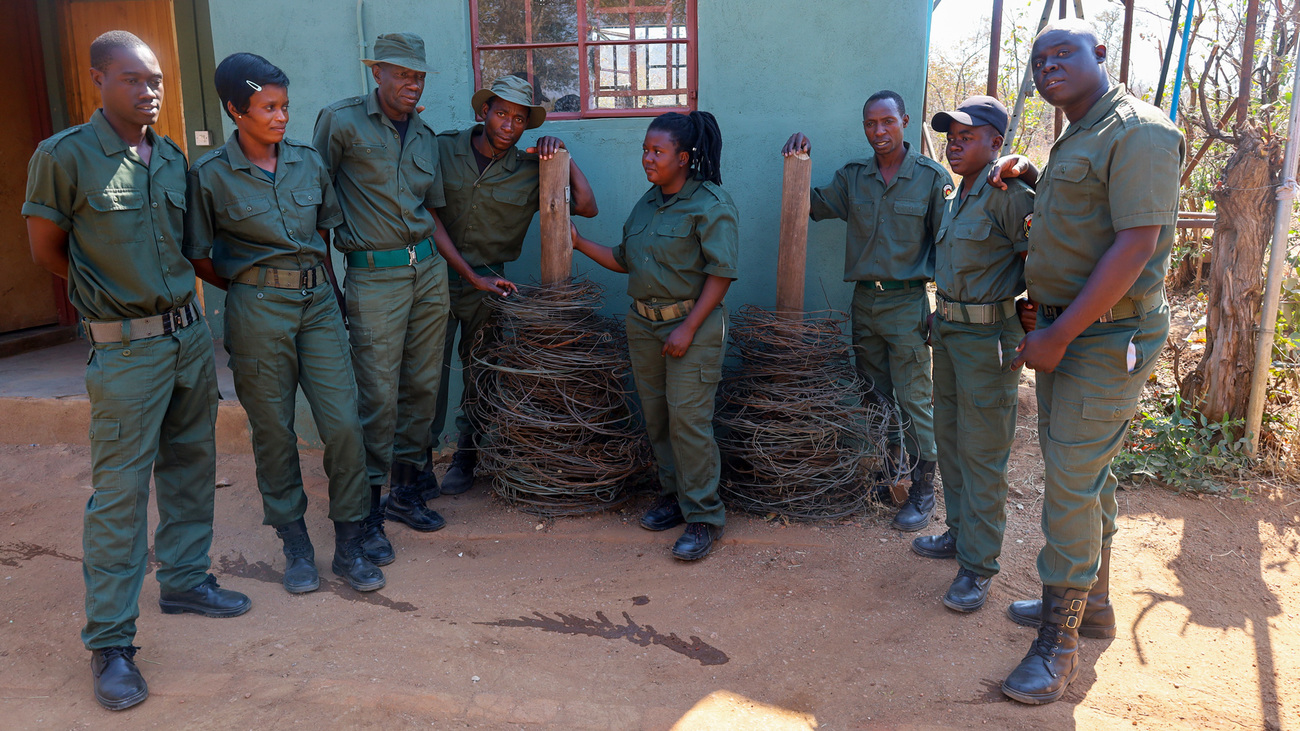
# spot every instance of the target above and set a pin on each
(255, 86)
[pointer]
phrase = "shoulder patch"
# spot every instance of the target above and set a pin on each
(949, 191)
(1029, 222)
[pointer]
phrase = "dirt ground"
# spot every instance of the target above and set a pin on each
(502, 621)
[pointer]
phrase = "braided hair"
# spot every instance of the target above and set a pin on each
(697, 132)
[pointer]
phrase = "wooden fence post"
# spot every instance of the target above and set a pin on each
(792, 255)
(557, 242)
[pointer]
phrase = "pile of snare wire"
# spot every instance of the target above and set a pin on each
(559, 435)
(799, 434)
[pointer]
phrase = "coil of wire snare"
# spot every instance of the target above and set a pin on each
(798, 434)
(559, 435)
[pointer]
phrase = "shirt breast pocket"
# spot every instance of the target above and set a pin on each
(244, 216)
(307, 201)
(970, 250)
(1075, 189)
(119, 210)
(368, 162)
(510, 197)
(908, 221)
(862, 224)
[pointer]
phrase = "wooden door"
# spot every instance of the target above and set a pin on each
(27, 292)
(153, 21)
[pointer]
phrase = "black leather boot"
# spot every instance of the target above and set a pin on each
(968, 591)
(350, 561)
(374, 542)
(426, 480)
(664, 514)
(300, 574)
(916, 513)
(405, 504)
(208, 599)
(696, 541)
(1098, 616)
(118, 682)
(460, 476)
(1053, 660)
(943, 545)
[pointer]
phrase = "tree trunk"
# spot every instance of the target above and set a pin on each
(1245, 203)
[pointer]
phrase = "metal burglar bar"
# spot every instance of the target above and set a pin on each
(591, 58)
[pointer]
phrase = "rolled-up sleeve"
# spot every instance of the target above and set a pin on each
(1144, 177)
(51, 191)
(719, 234)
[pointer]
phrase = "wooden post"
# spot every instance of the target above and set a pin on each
(995, 49)
(1126, 45)
(557, 242)
(1247, 61)
(792, 254)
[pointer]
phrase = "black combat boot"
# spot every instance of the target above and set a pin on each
(300, 574)
(696, 541)
(460, 476)
(118, 682)
(1053, 660)
(664, 514)
(943, 545)
(916, 512)
(405, 504)
(426, 480)
(207, 599)
(1098, 616)
(968, 591)
(374, 542)
(350, 560)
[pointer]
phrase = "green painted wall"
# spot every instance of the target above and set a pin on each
(766, 69)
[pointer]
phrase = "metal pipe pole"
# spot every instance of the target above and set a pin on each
(1276, 263)
(1182, 62)
(1058, 116)
(1026, 88)
(995, 48)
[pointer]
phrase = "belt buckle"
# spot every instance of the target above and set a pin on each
(880, 286)
(304, 278)
(410, 253)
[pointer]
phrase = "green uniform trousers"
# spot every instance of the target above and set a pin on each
(889, 337)
(153, 410)
(397, 322)
(470, 315)
(1084, 408)
(974, 427)
(677, 397)
(280, 339)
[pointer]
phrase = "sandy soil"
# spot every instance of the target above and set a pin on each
(501, 621)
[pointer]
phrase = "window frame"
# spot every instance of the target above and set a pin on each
(583, 45)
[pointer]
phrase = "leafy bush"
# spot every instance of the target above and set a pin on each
(1178, 447)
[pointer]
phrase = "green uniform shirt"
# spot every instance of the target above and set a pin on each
(384, 187)
(124, 219)
(891, 227)
(241, 219)
(1115, 169)
(671, 246)
(487, 215)
(978, 247)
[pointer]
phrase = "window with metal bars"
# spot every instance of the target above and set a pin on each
(590, 58)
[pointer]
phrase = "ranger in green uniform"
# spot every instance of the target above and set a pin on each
(383, 159)
(978, 272)
(680, 248)
(105, 210)
(1104, 227)
(491, 192)
(893, 202)
(255, 208)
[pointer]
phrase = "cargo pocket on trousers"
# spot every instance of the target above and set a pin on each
(986, 413)
(105, 430)
(1081, 444)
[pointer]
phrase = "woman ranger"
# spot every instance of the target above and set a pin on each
(679, 249)
(259, 210)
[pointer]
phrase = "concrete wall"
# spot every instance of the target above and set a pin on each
(766, 69)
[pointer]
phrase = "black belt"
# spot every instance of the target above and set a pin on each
(143, 327)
